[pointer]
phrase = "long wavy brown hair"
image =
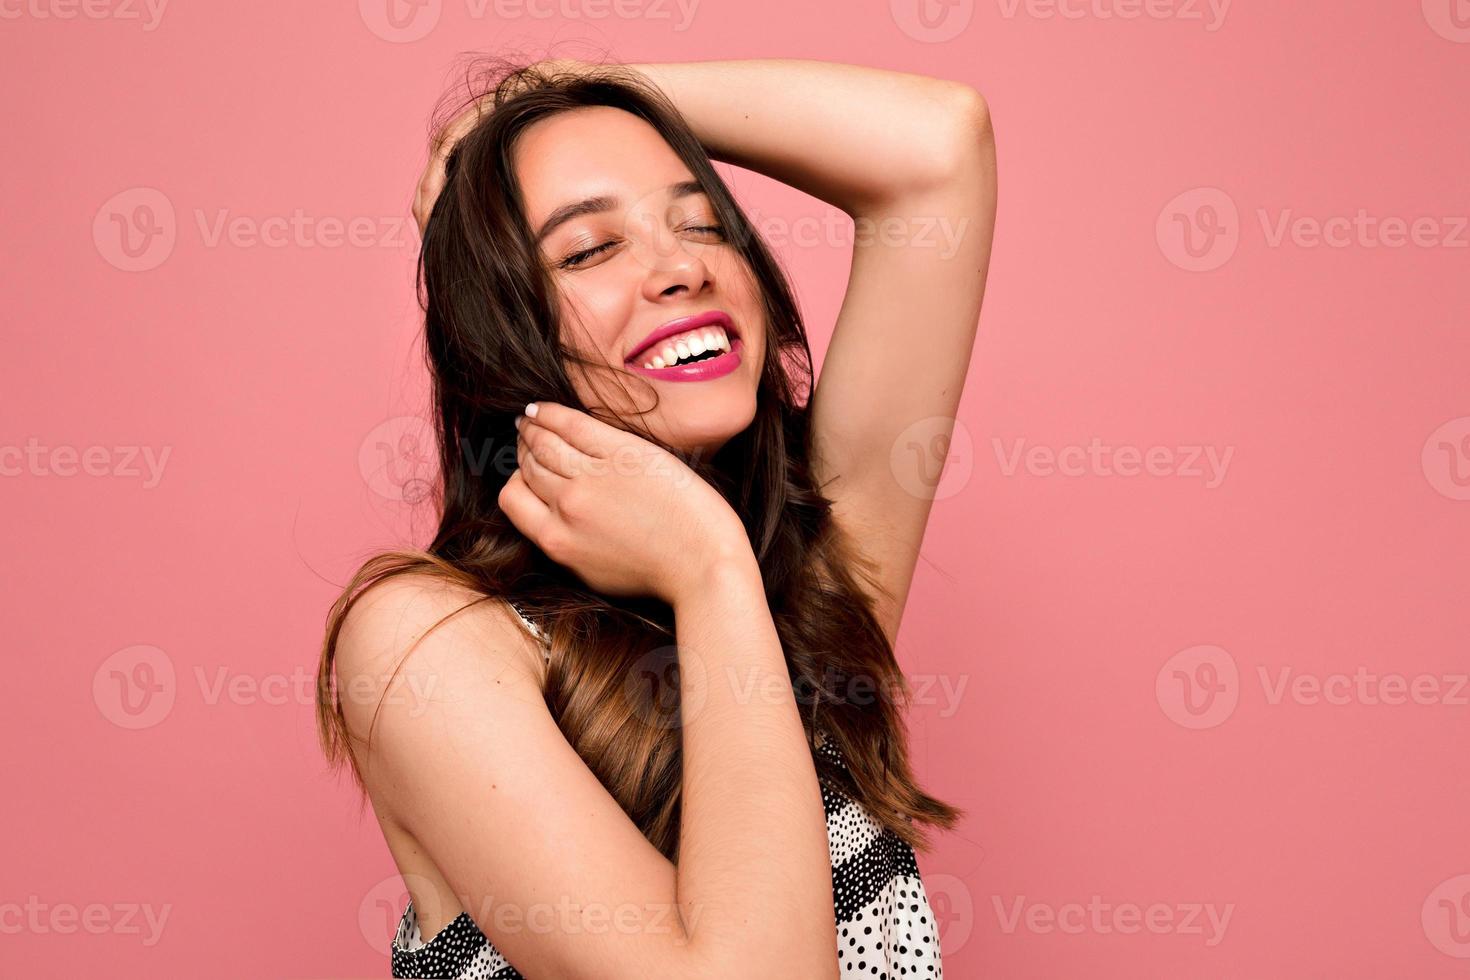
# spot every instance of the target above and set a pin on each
(493, 343)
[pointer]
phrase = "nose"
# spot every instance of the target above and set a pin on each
(672, 266)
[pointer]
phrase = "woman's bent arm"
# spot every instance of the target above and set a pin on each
(856, 137)
(467, 760)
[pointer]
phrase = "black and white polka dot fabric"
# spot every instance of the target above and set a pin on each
(885, 927)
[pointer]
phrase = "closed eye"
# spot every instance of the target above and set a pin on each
(572, 261)
(579, 258)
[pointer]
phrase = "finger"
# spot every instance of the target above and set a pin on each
(545, 481)
(430, 185)
(551, 450)
(591, 436)
(528, 512)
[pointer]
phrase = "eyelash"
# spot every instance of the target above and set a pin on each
(578, 259)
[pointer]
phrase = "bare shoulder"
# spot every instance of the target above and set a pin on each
(411, 641)
(495, 807)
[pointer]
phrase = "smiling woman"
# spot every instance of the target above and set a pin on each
(661, 634)
(637, 253)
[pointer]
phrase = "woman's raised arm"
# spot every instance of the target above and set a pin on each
(853, 136)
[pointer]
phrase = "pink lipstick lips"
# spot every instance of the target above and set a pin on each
(704, 370)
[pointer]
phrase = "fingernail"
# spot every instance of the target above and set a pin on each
(531, 409)
(519, 420)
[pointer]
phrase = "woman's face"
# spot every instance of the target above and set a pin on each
(632, 254)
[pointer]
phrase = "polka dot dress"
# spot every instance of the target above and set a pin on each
(885, 927)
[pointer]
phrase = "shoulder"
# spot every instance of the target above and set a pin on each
(412, 634)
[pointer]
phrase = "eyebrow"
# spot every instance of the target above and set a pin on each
(604, 202)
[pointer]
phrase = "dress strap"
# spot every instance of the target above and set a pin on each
(536, 630)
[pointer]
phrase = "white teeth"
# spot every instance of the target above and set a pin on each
(687, 345)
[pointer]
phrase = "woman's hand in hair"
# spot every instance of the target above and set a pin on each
(625, 515)
(431, 181)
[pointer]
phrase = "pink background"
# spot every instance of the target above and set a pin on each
(1081, 612)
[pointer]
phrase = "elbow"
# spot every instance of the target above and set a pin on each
(967, 149)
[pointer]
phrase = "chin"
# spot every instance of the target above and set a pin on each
(708, 430)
